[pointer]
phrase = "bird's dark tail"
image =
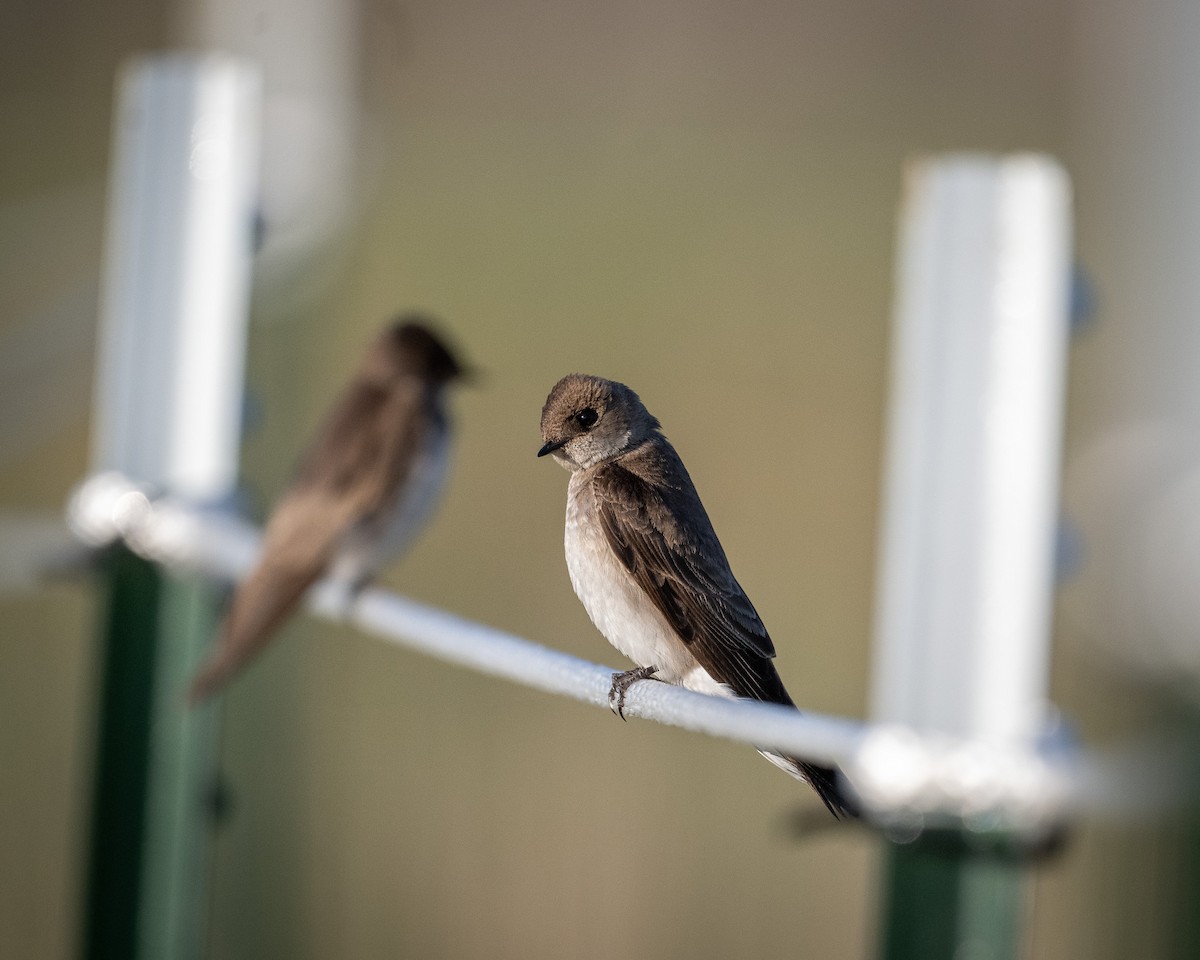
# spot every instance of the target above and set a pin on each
(759, 680)
(826, 781)
(832, 790)
(260, 606)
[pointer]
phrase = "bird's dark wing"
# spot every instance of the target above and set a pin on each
(657, 527)
(348, 477)
(655, 524)
(350, 474)
(366, 446)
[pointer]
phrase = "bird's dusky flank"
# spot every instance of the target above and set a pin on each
(364, 488)
(647, 565)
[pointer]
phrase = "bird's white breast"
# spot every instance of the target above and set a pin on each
(366, 551)
(421, 493)
(616, 604)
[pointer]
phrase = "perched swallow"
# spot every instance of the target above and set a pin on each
(648, 567)
(364, 489)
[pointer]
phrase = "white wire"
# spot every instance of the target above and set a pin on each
(899, 774)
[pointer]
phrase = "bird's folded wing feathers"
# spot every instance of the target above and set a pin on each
(664, 539)
(366, 446)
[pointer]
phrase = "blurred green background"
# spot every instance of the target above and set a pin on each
(696, 199)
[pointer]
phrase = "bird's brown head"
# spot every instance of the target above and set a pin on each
(587, 420)
(409, 347)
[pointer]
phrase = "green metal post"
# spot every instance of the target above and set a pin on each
(122, 757)
(167, 417)
(154, 772)
(948, 900)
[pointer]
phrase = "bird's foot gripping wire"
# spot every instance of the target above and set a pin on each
(621, 682)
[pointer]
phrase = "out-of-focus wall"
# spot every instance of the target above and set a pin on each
(697, 200)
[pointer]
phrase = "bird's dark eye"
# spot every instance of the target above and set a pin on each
(586, 417)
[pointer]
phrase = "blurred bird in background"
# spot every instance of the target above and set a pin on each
(364, 489)
(648, 567)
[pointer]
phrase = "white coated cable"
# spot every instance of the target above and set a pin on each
(898, 774)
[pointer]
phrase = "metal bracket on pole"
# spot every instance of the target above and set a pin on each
(167, 412)
(970, 506)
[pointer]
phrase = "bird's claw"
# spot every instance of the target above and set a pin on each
(621, 682)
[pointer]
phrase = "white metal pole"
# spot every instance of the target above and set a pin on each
(177, 274)
(971, 490)
(966, 566)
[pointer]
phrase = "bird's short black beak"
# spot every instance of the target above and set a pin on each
(550, 446)
(470, 376)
